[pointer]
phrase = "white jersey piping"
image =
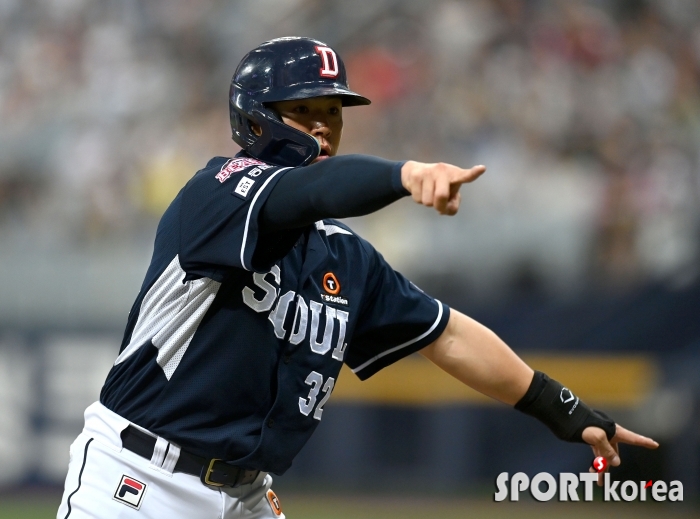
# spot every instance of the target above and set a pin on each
(405, 344)
(250, 212)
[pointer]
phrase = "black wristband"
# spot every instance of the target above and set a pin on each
(560, 410)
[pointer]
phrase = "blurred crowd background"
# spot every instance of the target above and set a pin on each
(587, 115)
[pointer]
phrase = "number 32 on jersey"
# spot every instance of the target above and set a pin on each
(315, 380)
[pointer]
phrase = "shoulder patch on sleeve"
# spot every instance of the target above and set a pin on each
(235, 165)
(243, 187)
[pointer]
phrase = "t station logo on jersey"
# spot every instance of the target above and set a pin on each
(332, 287)
(330, 284)
(545, 487)
(130, 492)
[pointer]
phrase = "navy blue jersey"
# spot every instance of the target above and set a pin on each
(236, 339)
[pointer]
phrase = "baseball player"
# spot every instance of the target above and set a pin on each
(256, 296)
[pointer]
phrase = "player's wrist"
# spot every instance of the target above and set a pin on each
(559, 409)
(397, 179)
(406, 171)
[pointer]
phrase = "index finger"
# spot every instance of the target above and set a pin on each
(626, 436)
(462, 176)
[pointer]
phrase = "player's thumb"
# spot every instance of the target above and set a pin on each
(607, 451)
(596, 437)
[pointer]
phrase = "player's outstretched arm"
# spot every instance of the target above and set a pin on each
(356, 185)
(476, 356)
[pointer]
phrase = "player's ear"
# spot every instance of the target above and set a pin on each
(256, 129)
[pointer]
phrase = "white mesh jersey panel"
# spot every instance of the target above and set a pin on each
(170, 315)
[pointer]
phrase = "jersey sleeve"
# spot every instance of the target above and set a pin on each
(219, 212)
(396, 320)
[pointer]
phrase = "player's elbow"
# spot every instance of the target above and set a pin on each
(440, 348)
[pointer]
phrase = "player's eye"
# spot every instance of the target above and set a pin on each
(301, 109)
(334, 110)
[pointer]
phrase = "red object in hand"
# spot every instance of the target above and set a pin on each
(599, 464)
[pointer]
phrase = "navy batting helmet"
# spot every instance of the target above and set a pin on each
(281, 70)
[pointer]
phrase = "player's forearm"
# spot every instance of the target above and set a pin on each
(475, 355)
(339, 187)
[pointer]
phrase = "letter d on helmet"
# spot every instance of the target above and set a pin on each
(284, 69)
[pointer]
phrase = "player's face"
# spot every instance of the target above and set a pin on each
(320, 117)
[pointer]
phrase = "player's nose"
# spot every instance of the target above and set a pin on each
(321, 128)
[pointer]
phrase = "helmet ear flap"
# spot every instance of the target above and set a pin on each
(281, 144)
(278, 143)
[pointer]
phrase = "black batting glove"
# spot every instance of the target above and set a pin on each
(559, 409)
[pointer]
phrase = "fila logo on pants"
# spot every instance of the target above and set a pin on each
(130, 492)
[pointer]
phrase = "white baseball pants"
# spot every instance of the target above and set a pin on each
(106, 481)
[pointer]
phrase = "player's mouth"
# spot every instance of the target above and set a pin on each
(324, 154)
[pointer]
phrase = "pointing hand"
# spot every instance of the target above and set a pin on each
(437, 185)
